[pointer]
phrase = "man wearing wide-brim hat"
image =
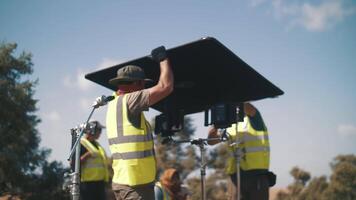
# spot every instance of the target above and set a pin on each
(129, 74)
(129, 133)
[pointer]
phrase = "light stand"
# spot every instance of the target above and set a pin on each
(200, 142)
(238, 151)
(75, 176)
(78, 132)
(222, 116)
(237, 154)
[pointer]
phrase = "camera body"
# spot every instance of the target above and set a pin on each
(223, 115)
(167, 124)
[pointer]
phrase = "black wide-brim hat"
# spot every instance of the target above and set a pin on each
(127, 74)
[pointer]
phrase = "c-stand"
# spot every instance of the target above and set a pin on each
(77, 133)
(200, 142)
(237, 153)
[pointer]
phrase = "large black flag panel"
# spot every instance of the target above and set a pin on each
(205, 73)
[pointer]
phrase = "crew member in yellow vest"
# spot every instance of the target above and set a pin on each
(94, 172)
(169, 187)
(254, 164)
(128, 131)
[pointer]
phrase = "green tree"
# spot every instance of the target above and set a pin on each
(179, 156)
(316, 189)
(300, 176)
(341, 185)
(217, 182)
(297, 189)
(21, 159)
(186, 158)
(343, 179)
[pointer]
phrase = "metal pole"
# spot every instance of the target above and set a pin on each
(237, 157)
(201, 143)
(80, 135)
(202, 169)
(75, 187)
(76, 175)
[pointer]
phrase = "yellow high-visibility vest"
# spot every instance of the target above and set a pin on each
(131, 145)
(164, 192)
(254, 145)
(95, 168)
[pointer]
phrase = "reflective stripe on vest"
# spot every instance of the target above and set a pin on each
(254, 145)
(131, 145)
(95, 167)
(248, 137)
(255, 149)
(132, 155)
(164, 192)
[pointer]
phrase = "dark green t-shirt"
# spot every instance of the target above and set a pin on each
(257, 122)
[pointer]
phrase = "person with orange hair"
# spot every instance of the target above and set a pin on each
(170, 187)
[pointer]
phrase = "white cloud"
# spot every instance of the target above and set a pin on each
(324, 16)
(346, 129)
(281, 9)
(79, 82)
(52, 116)
(312, 17)
(82, 83)
(108, 62)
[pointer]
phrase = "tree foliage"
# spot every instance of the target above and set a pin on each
(179, 156)
(186, 158)
(21, 159)
(341, 184)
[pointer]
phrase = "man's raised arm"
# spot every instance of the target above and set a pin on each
(166, 81)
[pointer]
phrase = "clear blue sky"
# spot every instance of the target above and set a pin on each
(307, 48)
